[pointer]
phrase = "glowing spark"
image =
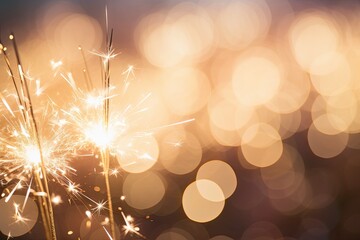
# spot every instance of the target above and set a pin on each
(27, 195)
(94, 101)
(105, 222)
(130, 227)
(106, 56)
(12, 192)
(114, 172)
(38, 88)
(107, 233)
(55, 64)
(88, 214)
(72, 188)
(56, 199)
(99, 206)
(9, 236)
(171, 125)
(17, 216)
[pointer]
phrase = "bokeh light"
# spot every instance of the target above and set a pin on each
(220, 173)
(234, 119)
(148, 184)
(197, 207)
(17, 219)
(256, 77)
(261, 145)
(180, 152)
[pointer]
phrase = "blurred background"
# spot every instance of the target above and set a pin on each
(273, 86)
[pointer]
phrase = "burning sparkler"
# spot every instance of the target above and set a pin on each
(114, 133)
(29, 153)
(32, 150)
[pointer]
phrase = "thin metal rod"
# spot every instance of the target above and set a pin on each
(48, 205)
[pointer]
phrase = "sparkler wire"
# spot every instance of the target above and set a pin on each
(105, 154)
(26, 107)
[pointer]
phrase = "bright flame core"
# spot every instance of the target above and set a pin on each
(32, 155)
(98, 135)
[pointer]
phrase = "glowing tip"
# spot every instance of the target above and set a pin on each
(32, 154)
(11, 37)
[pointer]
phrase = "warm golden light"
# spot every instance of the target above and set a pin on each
(256, 77)
(32, 155)
(97, 134)
(194, 197)
(221, 174)
(215, 112)
(261, 145)
(312, 35)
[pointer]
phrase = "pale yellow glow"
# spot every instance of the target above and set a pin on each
(32, 155)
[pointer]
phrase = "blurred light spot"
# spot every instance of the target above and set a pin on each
(289, 124)
(292, 93)
(148, 184)
(228, 115)
(198, 208)
(66, 30)
(311, 36)
(13, 224)
(186, 36)
(185, 90)
(220, 173)
(256, 77)
(240, 23)
(330, 74)
(180, 152)
(261, 145)
(137, 153)
(224, 137)
(324, 145)
(210, 190)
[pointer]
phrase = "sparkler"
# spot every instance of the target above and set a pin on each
(96, 117)
(90, 122)
(29, 152)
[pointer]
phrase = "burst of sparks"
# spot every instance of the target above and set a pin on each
(39, 144)
(99, 207)
(114, 172)
(31, 146)
(130, 227)
(17, 215)
(73, 188)
(20, 156)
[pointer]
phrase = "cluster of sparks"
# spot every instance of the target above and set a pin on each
(37, 142)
